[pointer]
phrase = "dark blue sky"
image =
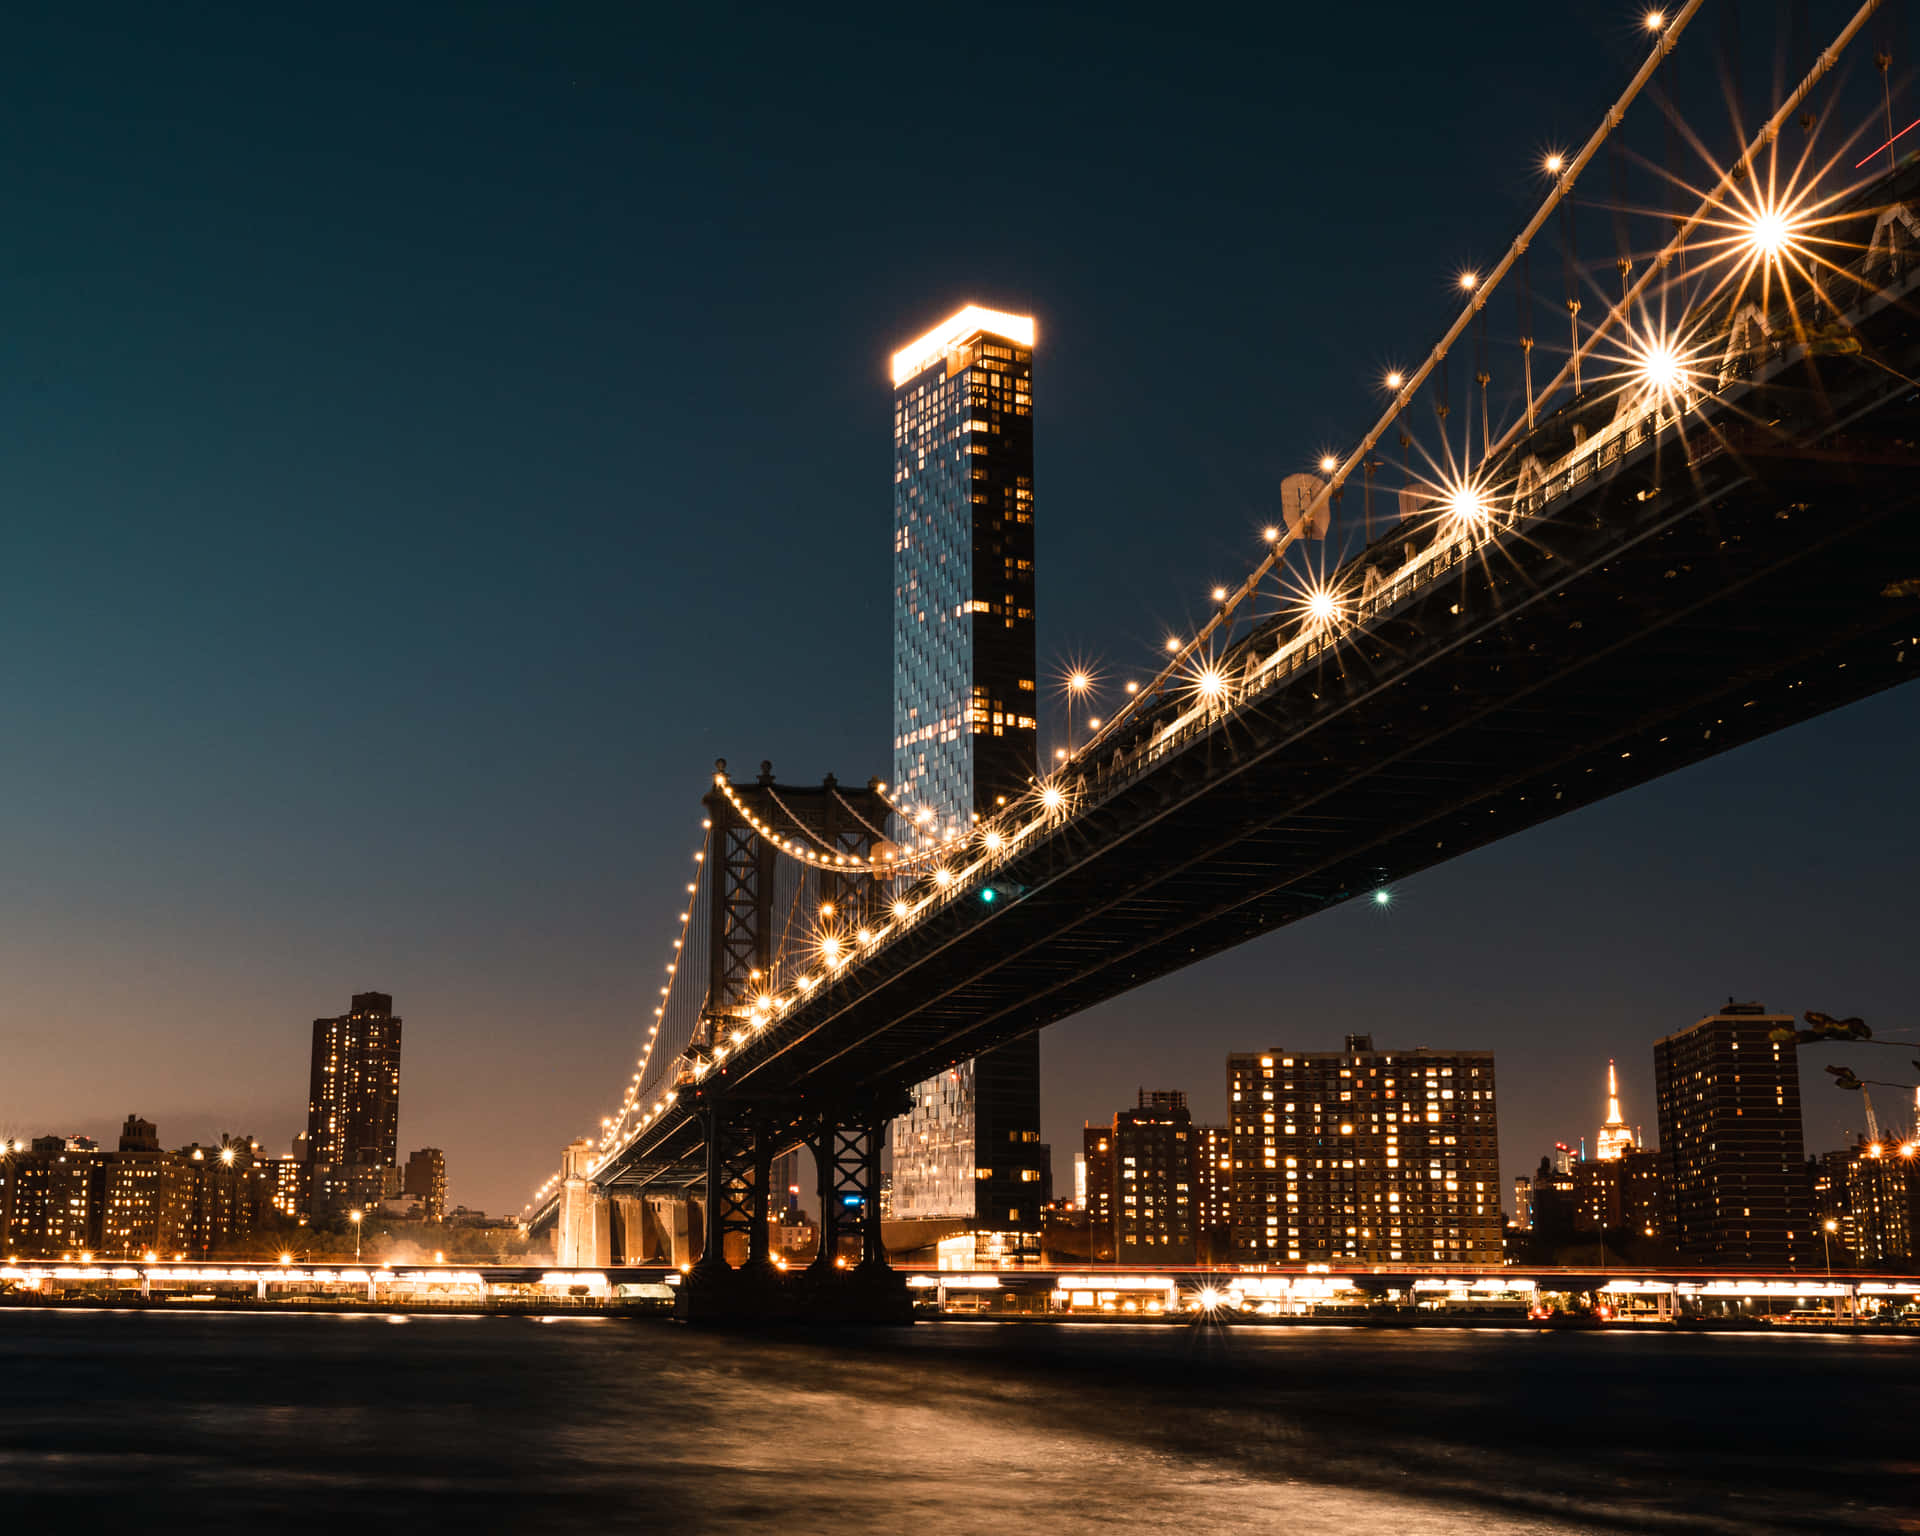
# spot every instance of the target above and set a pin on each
(428, 437)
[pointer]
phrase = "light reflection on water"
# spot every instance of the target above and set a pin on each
(501, 1424)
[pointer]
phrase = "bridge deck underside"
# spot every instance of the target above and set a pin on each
(1691, 599)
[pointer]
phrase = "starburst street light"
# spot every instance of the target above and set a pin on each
(1654, 21)
(1322, 605)
(1328, 463)
(1769, 232)
(1395, 379)
(1659, 367)
(1466, 503)
(1554, 164)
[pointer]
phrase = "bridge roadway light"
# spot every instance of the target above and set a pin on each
(1554, 164)
(1467, 503)
(1321, 605)
(1768, 232)
(1395, 379)
(1659, 366)
(1654, 21)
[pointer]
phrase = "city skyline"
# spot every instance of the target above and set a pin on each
(480, 559)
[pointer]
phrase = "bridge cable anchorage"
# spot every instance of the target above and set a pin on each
(1735, 173)
(1182, 655)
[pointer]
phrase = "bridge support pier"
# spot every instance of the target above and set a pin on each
(840, 1286)
(582, 1235)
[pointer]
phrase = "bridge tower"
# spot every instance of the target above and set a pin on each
(759, 904)
(583, 1233)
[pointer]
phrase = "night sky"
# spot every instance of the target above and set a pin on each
(429, 437)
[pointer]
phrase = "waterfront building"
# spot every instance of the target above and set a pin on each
(1098, 1161)
(146, 1202)
(1363, 1156)
(1882, 1195)
(1212, 1193)
(1625, 1193)
(1729, 1103)
(1870, 1194)
(353, 1105)
(1153, 1203)
(966, 725)
(425, 1179)
(52, 1202)
(1827, 1178)
(1522, 1218)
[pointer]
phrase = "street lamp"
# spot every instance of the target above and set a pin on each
(355, 1218)
(1827, 1229)
(1079, 681)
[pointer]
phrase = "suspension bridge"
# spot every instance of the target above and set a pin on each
(1701, 529)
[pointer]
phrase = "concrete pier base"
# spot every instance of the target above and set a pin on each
(762, 1297)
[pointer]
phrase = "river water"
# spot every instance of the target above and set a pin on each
(150, 1422)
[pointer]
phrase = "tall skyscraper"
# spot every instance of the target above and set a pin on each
(1363, 1156)
(1614, 1140)
(965, 723)
(965, 720)
(1737, 1188)
(353, 1104)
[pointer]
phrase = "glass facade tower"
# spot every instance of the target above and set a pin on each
(965, 719)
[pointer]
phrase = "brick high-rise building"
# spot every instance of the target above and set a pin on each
(1363, 1157)
(425, 1179)
(1737, 1187)
(146, 1203)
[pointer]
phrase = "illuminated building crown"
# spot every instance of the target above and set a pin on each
(1615, 1140)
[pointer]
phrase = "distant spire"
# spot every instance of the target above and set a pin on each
(1615, 1139)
